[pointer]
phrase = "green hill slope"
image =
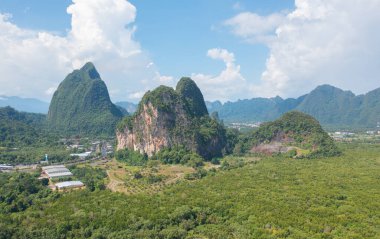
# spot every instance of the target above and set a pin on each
(14, 130)
(293, 131)
(81, 105)
(192, 96)
(19, 128)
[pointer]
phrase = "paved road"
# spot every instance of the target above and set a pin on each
(28, 167)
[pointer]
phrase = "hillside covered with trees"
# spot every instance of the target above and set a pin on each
(294, 131)
(81, 105)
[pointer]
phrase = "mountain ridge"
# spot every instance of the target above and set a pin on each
(331, 106)
(30, 105)
(81, 104)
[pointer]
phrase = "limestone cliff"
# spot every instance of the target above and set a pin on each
(166, 118)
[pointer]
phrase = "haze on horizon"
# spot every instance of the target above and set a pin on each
(239, 50)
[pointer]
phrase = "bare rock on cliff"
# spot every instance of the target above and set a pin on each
(166, 118)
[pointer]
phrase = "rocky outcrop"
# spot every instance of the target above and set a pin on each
(294, 130)
(166, 118)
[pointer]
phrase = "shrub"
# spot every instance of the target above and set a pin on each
(131, 157)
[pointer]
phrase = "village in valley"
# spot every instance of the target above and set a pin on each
(56, 175)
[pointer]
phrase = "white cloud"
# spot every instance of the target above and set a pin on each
(321, 41)
(50, 91)
(253, 27)
(136, 96)
(166, 80)
(101, 32)
(228, 85)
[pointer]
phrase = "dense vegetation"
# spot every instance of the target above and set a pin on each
(174, 155)
(93, 178)
(19, 128)
(131, 157)
(332, 107)
(276, 197)
(81, 105)
(295, 129)
(19, 191)
(34, 154)
(192, 97)
(23, 138)
(178, 155)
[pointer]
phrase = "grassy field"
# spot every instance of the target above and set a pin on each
(122, 178)
(271, 198)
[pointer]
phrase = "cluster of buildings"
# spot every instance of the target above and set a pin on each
(57, 172)
(373, 132)
(83, 151)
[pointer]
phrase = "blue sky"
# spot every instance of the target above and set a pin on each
(179, 34)
(176, 34)
(232, 49)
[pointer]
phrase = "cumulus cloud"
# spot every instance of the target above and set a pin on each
(324, 41)
(35, 62)
(135, 96)
(253, 27)
(228, 85)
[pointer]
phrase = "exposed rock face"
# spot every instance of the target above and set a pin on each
(271, 148)
(165, 118)
(81, 105)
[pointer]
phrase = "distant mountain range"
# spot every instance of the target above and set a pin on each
(331, 106)
(129, 106)
(25, 104)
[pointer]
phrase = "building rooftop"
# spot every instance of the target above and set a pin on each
(53, 166)
(69, 184)
(4, 166)
(56, 171)
(86, 154)
(59, 174)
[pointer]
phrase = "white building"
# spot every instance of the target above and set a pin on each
(6, 167)
(82, 155)
(69, 184)
(56, 171)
